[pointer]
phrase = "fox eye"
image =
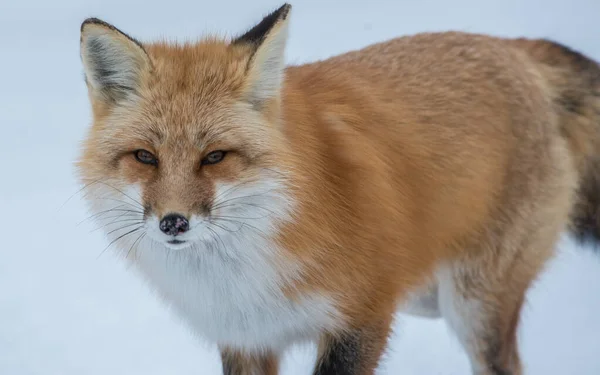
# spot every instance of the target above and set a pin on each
(213, 157)
(146, 157)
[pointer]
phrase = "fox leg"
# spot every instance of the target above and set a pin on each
(354, 352)
(481, 295)
(484, 314)
(236, 363)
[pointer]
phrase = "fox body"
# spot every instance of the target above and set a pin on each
(271, 204)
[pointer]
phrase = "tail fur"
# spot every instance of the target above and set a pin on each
(575, 81)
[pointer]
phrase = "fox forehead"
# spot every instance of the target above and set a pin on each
(192, 82)
(208, 68)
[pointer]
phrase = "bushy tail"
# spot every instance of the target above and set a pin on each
(575, 83)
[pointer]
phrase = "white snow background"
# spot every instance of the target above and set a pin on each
(67, 307)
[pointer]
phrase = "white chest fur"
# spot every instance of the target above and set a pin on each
(233, 301)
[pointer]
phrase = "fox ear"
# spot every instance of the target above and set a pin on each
(114, 63)
(267, 62)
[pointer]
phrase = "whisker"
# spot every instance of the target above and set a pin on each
(98, 214)
(91, 183)
(240, 217)
(131, 214)
(226, 229)
(118, 200)
(74, 194)
(245, 224)
(223, 193)
(134, 243)
(137, 221)
(108, 211)
(280, 173)
(254, 179)
(122, 227)
(118, 238)
(237, 185)
(247, 204)
(195, 226)
(216, 236)
(117, 216)
(122, 192)
(242, 197)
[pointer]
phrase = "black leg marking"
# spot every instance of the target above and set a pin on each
(342, 356)
(229, 365)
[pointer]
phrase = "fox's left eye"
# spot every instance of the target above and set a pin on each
(146, 157)
(213, 157)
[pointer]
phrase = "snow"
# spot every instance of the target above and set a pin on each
(69, 307)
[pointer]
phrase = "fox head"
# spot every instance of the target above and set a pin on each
(185, 146)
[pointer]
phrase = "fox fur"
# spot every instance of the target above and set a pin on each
(432, 172)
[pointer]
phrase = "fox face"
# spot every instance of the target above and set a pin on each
(185, 147)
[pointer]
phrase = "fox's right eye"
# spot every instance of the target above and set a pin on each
(146, 157)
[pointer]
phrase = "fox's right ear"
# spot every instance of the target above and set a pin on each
(265, 43)
(115, 64)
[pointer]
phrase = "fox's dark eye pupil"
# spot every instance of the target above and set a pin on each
(214, 157)
(145, 157)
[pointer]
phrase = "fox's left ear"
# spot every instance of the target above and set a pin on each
(115, 64)
(267, 42)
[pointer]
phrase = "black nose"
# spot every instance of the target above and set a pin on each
(174, 224)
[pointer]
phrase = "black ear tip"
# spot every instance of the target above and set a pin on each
(95, 21)
(257, 34)
(284, 10)
(106, 25)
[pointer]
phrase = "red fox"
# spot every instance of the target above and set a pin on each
(272, 204)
